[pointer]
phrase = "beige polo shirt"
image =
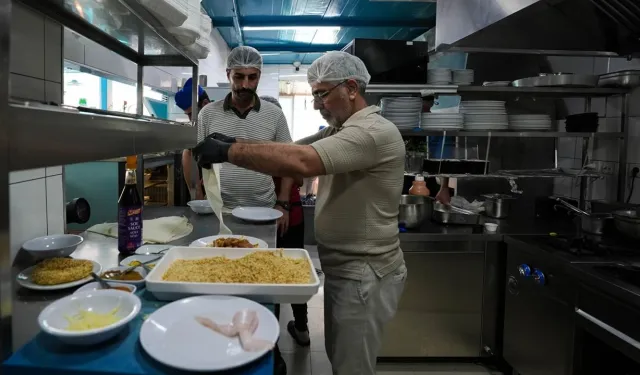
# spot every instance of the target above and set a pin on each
(356, 215)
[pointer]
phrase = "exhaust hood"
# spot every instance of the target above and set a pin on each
(572, 27)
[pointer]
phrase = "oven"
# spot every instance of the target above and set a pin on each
(538, 315)
(607, 339)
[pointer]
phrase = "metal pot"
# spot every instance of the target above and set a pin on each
(497, 205)
(447, 214)
(627, 222)
(414, 209)
(590, 223)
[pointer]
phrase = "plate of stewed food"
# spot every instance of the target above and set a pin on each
(230, 240)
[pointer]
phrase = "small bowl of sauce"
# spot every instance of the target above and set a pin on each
(93, 286)
(135, 277)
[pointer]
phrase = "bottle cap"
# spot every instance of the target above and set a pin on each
(132, 162)
(419, 177)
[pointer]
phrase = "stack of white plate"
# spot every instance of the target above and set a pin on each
(484, 115)
(440, 76)
(529, 122)
(442, 121)
(404, 112)
(463, 77)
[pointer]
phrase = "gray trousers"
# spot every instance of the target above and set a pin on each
(355, 313)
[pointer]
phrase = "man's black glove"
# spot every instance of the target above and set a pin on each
(211, 151)
(222, 137)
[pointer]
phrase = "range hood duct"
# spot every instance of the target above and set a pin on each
(580, 27)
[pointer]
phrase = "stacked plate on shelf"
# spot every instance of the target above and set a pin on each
(529, 122)
(463, 77)
(440, 76)
(442, 121)
(484, 115)
(404, 112)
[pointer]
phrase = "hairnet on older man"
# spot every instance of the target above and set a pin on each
(244, 57)
(337, 66)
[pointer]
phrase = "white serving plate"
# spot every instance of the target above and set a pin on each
(24, 279)
(172, 336)
(256, 214)
(265, 293)
(205, 241)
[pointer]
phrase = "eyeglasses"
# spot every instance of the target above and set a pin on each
(320, 97)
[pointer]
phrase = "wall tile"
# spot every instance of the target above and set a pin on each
(566, 147)
(53, 92)
(605, 150)
(55, 205)
(27, 42)
(601, 65)
(565, 162)
(73, 46)
(617, 64)
(26, 175)
(577, 65)
(53, 171)
(27, 207)
(634, 102)
(609, 125)
(614, 106)
(52, 51)
(27, 87)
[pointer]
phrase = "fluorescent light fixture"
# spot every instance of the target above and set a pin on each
(294, 28)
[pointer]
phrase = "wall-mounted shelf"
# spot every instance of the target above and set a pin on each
(41, 137)
(123, 26)
(565, 92)
(523, 174)
(509, 134)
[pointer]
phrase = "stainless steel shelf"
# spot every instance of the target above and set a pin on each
(492, 90)
(509, 134)
(515, 175)
(122, 26)
(58, 138)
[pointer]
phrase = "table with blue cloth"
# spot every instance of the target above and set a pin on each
(38, 353)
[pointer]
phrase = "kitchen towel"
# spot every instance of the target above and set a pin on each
(211, 181)
(161, 230)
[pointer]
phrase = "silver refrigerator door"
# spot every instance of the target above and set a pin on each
(440, 313)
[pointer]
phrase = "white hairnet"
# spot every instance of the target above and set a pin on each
(244, 57)
(336, 66)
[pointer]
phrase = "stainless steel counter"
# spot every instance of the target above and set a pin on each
(27, 304)
(513, 226)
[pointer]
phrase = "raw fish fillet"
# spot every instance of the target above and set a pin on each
(244, 325)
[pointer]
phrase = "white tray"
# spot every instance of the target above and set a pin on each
(266, 293)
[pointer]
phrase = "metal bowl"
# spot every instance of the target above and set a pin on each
(414, 209)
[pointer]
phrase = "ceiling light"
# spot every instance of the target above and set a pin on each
(294, 28)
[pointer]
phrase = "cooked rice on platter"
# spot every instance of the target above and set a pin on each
(258, 267)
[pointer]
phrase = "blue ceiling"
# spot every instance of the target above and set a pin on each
(340, 20)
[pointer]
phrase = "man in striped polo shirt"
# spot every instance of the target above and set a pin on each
(360, 161)
(243, 115)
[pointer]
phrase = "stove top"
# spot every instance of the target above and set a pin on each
(586, 244)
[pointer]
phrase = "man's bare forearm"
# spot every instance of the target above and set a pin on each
(251, 141)
(277, 159)
(187, 159)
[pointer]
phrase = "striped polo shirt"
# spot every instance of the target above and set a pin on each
(263, 122)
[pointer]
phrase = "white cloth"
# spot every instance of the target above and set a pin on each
(355, 313)
(211, 181)
(161, 230)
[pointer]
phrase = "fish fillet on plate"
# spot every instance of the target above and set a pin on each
(174, 337)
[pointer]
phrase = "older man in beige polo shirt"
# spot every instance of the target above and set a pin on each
(360, 161)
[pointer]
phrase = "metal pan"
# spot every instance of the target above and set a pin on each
(627, 222)
(559, 79)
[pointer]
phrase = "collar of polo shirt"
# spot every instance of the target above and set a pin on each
(227, 106)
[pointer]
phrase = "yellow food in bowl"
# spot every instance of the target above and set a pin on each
(55, 271)
(86, 320)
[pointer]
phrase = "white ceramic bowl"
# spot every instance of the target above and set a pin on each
(491, 227)
(138, 283)
(92, 287)
(55, 245)
(201, 207)
(53, 320)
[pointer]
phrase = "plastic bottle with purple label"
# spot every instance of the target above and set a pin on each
(130, 211)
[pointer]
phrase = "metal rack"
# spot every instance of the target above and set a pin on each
(34, 136)
(65, 137)
(553, 92)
